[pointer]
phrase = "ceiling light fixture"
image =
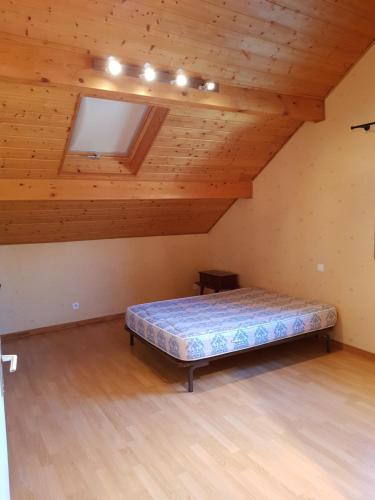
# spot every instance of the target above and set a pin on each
(181, 78)
(149, 74)
(113, 66)
(209, 85)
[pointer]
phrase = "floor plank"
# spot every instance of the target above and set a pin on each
(90, 419)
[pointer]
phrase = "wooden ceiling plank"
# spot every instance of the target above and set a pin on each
(31, 103)
(186, 122)
(332, 14)
(231, 73)
(178, 174)
(199, 177)
(262, 68)
(30, 222)
(361, 8)
(201, 154)
(37, 92)
(32, 142)
(61, 236)
(151, 162)
(160, 19)
(220, 171)
(244, 24)
(92, 205)
(10, 173)
(52, 206)
(104, 215)
(29, 163)
(129, 11)
(32, 62)
(115, 13)
(35, 105)
(17, 130)
(222, 134)
(212, 60)
(177, 133)
(219, 144)
(102, 220)
(310, 17)
(22, 153)
(181, 110)
(23, 117)
(63, 189)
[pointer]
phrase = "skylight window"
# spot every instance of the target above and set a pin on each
(106, 127)
(116, 134)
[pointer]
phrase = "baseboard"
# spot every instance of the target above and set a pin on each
(340, 346)
(61, 327)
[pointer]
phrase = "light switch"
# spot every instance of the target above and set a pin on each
(320, 268)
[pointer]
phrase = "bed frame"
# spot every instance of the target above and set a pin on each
(199, 363)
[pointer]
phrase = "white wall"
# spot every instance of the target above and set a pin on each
(39, 282)
(315, 203)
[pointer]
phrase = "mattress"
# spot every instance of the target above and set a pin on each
(209, 325)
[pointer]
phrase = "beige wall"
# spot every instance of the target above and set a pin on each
(40, 282)
(315, 203)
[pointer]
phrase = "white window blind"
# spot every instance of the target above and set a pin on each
(106, 126)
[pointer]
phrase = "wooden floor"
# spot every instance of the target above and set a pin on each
(89, 419)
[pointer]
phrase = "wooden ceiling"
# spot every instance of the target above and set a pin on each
(275, 60)
(48, 221)
(194, 144)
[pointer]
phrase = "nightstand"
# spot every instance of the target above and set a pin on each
(217, 281)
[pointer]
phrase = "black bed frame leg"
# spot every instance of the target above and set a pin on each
(327, 339)
(328, 343)
(191, 378)
(191, 369)
(132, 337)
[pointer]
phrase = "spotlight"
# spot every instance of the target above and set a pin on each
(149, 74)
(181, 78)
(113, 66)
(209, 85)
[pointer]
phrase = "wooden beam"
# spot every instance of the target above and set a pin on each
(66, 189)
(32, 61)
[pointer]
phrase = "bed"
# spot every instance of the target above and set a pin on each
(193, 331)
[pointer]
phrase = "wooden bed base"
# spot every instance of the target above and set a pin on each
(199, 363)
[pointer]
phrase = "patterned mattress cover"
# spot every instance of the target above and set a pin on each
(208, 325)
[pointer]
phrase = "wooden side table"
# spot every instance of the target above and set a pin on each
(217, 281)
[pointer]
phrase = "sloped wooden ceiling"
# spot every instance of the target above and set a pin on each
(47, 221)
(275, 60)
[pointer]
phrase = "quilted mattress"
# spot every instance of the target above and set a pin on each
(209, 325)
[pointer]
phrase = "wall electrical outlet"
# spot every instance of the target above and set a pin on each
(75, 305)
(320, 268)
